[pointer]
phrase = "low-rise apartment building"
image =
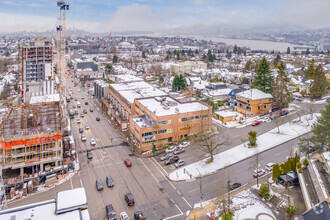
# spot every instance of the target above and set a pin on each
(118, 103)
(253, 102)
(164, 120)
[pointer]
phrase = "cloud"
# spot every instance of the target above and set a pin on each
(202, 2)
(10, 3)
(132, 18)
(313, 14)
(17, 22)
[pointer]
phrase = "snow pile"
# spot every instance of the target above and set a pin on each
(288, 131)
(248, 205)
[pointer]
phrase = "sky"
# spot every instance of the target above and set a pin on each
(159, 15)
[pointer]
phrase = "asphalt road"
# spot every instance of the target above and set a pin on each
(154, 195)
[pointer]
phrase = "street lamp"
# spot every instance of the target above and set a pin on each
(200, 186)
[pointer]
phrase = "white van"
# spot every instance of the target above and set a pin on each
(78, 105)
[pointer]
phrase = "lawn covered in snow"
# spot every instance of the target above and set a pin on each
(287, 131)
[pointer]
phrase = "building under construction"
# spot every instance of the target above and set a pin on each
(31, 137)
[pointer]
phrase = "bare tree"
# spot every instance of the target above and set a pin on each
(278, 123)
(299, 115)
(211, 142)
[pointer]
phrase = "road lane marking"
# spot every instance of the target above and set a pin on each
(160, 166)
(149, 171)
(171, 184)
(175, 215)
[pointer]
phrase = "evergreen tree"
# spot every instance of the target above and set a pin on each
(276, 172)
(310, 72)
(263, 80)
(161, 79)
(175, 83)
(235, 49)
(248, 66)
(210, 57)
(277, 60)
(178, 55)
(321, 137)
(182, 82)
(196, 52)
(288, 50)
(281, 94)
(144, 54)
(244, 53)
(320, 84)
(307, 51)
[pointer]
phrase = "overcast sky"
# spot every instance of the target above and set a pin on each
(146, 15)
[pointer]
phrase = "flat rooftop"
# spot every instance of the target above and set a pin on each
(135, 90)
(173, 106)
(49, 209)
(31, 119)
(127, 78)
(254, 94)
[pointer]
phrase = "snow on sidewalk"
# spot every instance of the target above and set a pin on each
(288, 131)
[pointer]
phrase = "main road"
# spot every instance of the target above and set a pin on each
(154, 194)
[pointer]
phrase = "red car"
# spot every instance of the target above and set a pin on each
(128, 163)
(255, 123)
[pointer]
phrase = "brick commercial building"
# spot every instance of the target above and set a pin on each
(164, 120)
(253, 102)
(119, 100)
(31, 137)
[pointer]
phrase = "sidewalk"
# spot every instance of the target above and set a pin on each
(211, 206)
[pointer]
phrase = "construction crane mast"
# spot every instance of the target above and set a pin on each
(61, 48)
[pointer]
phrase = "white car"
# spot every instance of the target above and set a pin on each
(83, 137)
(180, 163)
(86, 127)
(124, 216)
(269, 166)
(258, 172)
(78, 121)
(93, 142)
(185, 144)
(170, 149)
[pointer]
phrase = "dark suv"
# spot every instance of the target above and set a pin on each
(234, 185)
(89, 154)
(111, 214)
(171, 160)
(99, 185)
(129, 199)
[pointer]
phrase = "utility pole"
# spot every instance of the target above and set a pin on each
(200, 187)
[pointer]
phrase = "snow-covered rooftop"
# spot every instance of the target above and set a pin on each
(48, 210)
(127, 78)
(253, 94)
(45, 98)
(70, 199)
(174, 107)
(226, 113)
(134, 90)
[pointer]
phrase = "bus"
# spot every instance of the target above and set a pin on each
(71, 113)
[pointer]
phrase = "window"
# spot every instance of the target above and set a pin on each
(205, 116)
(137, 131)
(183, 119)
(165, 122)
(148, 142)
(149, 133)
(165, 131)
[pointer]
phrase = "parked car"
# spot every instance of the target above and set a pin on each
(255, 123)
(258, 172)
(269, 166)
(81, 130)
(73, 106)
(99, 185)
(128, 163)
(110, 182)
(111, 214)
(91, 110)
(89, 154)
(85, 111)
(78, 121)
(170, 149)
(298, 99)
(180, 163)
(165, 156)
(83, 137)
(98, 119)
(76, 112)
(171, 160)
(86, 127)
(178, 150)
(273, 116)
(234, 185)
(129, 199)
(86, 103)
(93, 142)
(138, 215)
(284, 113)
(185, 144)
(124, 216)
(82, 115)
(266, 119)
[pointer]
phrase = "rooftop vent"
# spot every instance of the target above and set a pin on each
(177, 110)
